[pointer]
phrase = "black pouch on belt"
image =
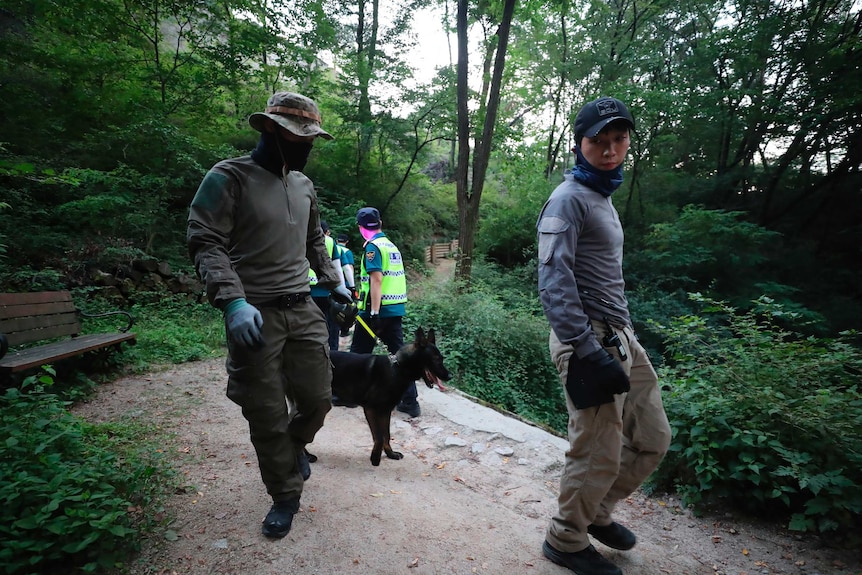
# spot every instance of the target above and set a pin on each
(594, 380)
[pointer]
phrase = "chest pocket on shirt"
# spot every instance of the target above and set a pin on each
(551, 230)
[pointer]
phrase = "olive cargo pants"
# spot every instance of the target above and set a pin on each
(613, 448)
(284, 389)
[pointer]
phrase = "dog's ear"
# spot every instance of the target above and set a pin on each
(431, 339)
(420, 337)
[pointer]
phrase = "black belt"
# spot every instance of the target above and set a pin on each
(285, 301)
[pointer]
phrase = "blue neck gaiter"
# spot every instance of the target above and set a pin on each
(602, 181)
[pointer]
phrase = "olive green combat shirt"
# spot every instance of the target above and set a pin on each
(253, 234)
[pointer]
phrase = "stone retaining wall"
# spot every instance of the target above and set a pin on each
(144, 281)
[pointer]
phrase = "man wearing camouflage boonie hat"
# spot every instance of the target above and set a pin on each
(253, 231)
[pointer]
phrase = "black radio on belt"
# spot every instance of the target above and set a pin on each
(613, 340)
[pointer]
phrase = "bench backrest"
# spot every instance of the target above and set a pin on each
(36, 316)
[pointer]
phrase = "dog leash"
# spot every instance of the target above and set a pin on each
(393, 358)
(365, 325)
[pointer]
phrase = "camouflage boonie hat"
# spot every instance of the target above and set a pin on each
(293, 112)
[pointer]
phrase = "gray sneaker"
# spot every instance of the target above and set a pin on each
(585, 562)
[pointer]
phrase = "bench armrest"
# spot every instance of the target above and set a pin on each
(4, 345)
(129, 319)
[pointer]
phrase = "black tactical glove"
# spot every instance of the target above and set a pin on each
(343, 314)
(595, 379)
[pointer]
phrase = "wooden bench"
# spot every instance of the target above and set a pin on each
(38, 316)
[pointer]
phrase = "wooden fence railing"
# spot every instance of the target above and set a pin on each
(440, 250)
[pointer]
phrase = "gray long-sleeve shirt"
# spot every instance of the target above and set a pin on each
(253, 234)
(580, 264)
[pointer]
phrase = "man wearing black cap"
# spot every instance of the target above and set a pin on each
(382, 295)
(618, 430)
(253, 231)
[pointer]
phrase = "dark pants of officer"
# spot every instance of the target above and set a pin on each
(331, 325)
(284, 390)
(391, 333)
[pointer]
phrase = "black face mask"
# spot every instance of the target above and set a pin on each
(295, 154)
(272, 153)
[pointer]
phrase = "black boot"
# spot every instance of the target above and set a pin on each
(280, 517)
(614, 535)
(411, 409)
(585, 562)
(302, 462)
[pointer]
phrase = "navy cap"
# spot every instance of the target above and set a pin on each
(368, 218)
(595, 115)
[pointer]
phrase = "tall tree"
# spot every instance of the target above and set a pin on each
(372, 57)
(469, 189)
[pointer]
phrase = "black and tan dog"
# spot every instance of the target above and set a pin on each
(377, 382)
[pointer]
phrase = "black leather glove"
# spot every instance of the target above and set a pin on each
(343, 314)
(595, 379)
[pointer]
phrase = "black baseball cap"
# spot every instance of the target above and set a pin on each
(368, 218)
(595, 115)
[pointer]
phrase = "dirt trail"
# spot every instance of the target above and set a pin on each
(472, 495)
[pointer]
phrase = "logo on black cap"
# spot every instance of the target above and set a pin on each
(608, 106)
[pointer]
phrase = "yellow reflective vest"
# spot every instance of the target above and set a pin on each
(394, 285)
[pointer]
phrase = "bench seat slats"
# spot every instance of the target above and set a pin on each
(36, 316)
(44, 308)
(15, 299)
(35, 328)
(51, 352)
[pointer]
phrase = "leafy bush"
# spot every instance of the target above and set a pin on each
(764, 418)
(25, 278)
(497, 350)
(177, 331)
(171, 330)
(70, 490)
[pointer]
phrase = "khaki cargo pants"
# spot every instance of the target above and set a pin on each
(284, 389)
(613, 448)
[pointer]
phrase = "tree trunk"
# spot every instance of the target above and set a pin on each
(469, 198)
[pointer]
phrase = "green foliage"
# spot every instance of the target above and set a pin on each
(507, 231)
(70, 490)
(26, 278)
(707, 249)
(495, 348)
(765, 418)
(175, 330)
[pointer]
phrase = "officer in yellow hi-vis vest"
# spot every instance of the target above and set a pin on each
(382, 295)
(319, 294)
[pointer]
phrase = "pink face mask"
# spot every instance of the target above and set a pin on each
(367, 234)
